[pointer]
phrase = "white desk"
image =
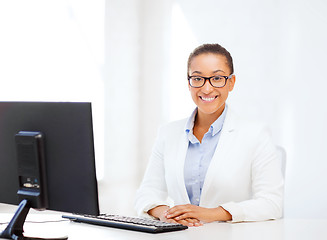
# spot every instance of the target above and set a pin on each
(289, 229)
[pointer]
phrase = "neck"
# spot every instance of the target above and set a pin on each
(204, 120)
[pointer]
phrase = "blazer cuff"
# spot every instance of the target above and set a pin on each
(235, 210)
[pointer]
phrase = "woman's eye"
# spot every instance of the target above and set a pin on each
(217, 78)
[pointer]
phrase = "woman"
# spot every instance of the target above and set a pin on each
(213, 166)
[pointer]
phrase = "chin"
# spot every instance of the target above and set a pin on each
(210, 110)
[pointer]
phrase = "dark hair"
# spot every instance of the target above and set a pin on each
(214, 49)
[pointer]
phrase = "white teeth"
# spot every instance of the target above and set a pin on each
(208, 99)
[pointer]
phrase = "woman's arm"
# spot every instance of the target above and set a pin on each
(153, 190)
(267, 184)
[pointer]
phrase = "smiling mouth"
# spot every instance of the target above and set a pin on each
(208, 99)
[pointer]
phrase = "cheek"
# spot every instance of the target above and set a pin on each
(224, 93)
(194, 94)
(192, 91)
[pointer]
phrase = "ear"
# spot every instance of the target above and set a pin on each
(231, 83)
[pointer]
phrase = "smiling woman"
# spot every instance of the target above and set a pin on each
(195, 161)
(210, 99)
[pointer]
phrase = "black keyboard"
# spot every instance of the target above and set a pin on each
(130, 223)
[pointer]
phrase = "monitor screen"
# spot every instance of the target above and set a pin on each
(68, 152)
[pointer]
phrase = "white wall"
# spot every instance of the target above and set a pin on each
(278, 49)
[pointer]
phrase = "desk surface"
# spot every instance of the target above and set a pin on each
(279, 229)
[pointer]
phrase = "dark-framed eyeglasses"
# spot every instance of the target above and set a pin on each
(217, 81)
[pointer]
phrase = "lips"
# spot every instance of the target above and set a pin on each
(208, 99)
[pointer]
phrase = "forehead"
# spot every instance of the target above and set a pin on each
(208, 63)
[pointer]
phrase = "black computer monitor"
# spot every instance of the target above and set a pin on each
(62, 137)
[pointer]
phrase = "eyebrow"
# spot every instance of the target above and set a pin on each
(198, 72)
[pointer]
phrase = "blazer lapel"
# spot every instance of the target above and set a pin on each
(223, 149)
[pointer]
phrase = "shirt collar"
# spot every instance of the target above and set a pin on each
(218, 124)
(190, 122)
(214, 128)
(189, 127)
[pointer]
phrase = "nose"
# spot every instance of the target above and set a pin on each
(207, 87)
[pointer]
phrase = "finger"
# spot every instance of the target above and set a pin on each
(171, 221)
(177, 212)
(185, 223)
(184, 216)
(196, 222)
(177, 208)
(172, 210)
(192, 220)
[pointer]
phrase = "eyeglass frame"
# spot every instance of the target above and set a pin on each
(208, 79)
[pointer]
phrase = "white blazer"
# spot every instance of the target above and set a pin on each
(244, 176)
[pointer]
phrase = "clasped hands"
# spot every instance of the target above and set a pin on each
(190, 215)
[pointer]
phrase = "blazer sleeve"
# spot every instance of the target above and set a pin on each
(267, 184)
(153, 190)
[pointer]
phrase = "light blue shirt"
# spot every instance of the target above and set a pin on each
(199, 155)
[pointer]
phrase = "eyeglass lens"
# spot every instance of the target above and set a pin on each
(216, 81)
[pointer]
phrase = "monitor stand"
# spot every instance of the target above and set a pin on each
(14, 230)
